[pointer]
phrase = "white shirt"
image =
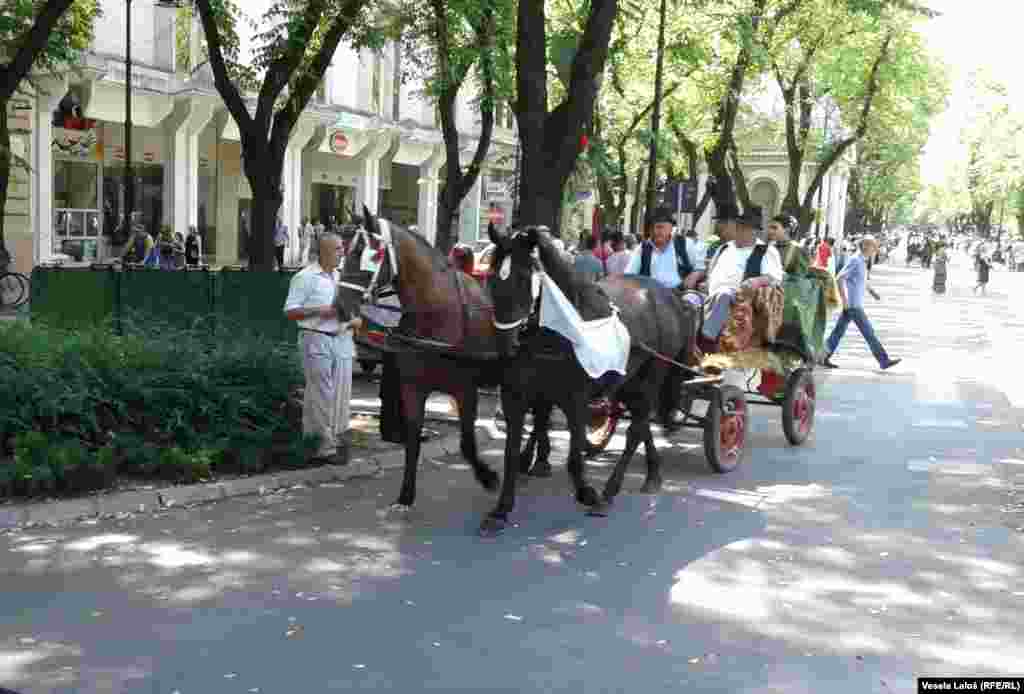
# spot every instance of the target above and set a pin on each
(313, 286)
(727, 272)
(663, 265)
(697, 249)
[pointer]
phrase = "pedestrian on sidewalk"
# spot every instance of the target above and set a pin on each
(984, 266)
(939, 265)
(852, 281)
(280, 241)
(326, 348)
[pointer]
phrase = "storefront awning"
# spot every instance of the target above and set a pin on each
(412, 153)
(107, 104)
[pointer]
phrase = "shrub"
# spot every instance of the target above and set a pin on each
(80, 406)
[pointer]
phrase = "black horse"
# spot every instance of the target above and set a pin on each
(540, 364)
(447, 317)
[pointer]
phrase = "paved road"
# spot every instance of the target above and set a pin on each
(889, 547)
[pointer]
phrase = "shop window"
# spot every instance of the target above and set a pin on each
(149, 198)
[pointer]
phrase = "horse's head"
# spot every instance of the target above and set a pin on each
(514, 284)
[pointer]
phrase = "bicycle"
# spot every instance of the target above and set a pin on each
(13, 289)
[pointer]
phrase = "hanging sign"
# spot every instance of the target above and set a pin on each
(339, 143)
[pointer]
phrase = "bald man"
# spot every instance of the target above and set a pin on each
(326, 348)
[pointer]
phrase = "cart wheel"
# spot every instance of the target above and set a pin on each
(600, 430)
(368, 366)
(725, 428)
(798, 406)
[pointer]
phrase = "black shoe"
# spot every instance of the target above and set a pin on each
(892, 363)
(828, 363)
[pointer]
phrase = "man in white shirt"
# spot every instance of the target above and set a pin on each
(326, 348)
(743, 262)
(664, 257)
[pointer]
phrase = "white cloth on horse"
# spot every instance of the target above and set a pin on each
(600, 345)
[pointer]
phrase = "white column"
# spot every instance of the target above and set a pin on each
(469, 217)
(48, 95)
(368, 191)
(176, 169)
(430, 186)
(200, 115)
(291, 213)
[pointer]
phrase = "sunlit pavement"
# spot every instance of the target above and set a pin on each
(886, 548)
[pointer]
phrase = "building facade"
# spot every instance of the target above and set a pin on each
(366, 138)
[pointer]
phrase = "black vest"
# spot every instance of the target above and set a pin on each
(683, 264)
(754, 262)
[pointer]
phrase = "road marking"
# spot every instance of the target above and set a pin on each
(941, 424)
(950, 467)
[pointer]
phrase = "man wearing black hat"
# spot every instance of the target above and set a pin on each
(744, 261)
(664, 257)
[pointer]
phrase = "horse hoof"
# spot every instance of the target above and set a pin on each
(489, 479)
(588, 496)
(651, 487)
(400, 509)
(492, 527)
(600, 509)
(541, 470)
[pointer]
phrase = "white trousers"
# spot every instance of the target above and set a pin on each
(326, 408)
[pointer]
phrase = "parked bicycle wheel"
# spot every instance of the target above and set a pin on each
(13, 290)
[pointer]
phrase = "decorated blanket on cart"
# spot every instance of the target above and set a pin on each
(765, 321)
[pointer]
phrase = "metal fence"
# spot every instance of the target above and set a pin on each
(227, 300)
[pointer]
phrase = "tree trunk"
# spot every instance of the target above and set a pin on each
(634, 213)
(741, 181)
(551, 140)
(267, 198)
(5, 177)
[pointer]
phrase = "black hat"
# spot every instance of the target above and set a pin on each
(661, 215)
(752, 217)
(726, 211)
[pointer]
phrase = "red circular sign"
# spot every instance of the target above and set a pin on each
(339, 143)
(496, 215)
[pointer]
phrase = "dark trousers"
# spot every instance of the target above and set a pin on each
(860, 319)
(279, 254)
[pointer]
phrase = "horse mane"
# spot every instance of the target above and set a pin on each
(438, 261)
(587, 296)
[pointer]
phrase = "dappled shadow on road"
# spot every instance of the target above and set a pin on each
(816, 563)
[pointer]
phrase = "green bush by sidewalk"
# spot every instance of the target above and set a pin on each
(80, 408)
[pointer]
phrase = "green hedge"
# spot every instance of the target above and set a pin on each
(82, 407)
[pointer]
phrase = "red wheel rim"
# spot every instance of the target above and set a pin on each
(803, 408)
(733, 431)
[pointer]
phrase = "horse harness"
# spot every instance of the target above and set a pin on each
(374, 291)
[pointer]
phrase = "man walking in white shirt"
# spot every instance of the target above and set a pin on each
(326, 348)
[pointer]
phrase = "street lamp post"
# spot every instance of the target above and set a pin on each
(129, 174)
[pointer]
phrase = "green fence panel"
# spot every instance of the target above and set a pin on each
(182, 299)
(254, 301)
(73, 297)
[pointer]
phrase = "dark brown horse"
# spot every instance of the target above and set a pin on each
(540, 364)
(448, 324)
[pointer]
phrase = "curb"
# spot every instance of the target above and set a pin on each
(109, 505)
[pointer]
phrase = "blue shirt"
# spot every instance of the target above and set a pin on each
(664, 268)
(855, 275)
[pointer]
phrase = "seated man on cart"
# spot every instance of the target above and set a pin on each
(743, 263)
